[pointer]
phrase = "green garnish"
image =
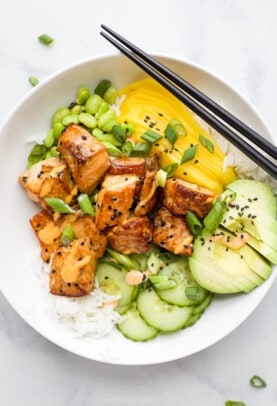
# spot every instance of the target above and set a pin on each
(141, 149)
(119, 134)
(194, 224)
(102, 87)
(59, 205)
(161, 177)
(189, 154)
(85, 204)
(45, 39)
(207, 143)
(174, 129)
(127, 148)
(33, 80)
(215, 216)
(151, 136)
(170, 169)
(257, 382)
(234, 403)
(192, 292)
(67, 235)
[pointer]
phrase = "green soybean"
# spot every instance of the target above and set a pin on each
(57, 130)
(88, 120)
(82, 95)
(77, 109)
(104, 106)
(72, 119)
(49, 139)
(110, 95)
(93, 103)
(59, 115)
(106, 118)
(54, 152)
(38, 150)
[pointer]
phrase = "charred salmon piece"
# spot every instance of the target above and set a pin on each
(47, 232)
(132, 236)
(180, 197)
(86, 157)
(48, 178)
(172, 233)
(73, 269)
(84, 226)
(126, 165)
(115, 199)
(149, 194)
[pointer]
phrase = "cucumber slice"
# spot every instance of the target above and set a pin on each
(180, 273)
(203, 306)
(159, 314)
(112, 281)
(134, 327)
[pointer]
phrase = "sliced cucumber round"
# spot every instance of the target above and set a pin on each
(180, 273)
(134, 327)
(112, 281)
(159, 314)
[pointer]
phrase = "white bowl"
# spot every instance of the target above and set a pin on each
(19, 284)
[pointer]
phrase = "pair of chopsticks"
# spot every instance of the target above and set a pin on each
(252, 144)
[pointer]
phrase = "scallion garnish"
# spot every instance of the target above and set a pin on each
(151, 136)
(119, 133)
(124, 260)
(194, 223)
(189, 154)
(234, 403)
(174, 129)
(33, 80)
(141, 149)
(215, 216)
(85, 204)
(67, 235)
(154, 263)
(257, 382)
(45, 39)
(161, 177)
(207, 143)
(102, 87)
(192, 292)
(59, 205)
(170, 169)
(127, 148)
(111, 149)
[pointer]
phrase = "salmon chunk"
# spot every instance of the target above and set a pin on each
(73, 269)
(126, 165)
(149, 194)
(172, 233)
(48, 178)
(180, 197)
(86, 157)
(132, 236)
(115, 199)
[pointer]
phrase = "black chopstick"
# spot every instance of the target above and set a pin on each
(178, 86)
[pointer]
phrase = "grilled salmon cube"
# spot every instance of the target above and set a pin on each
(47, 232)
(149, 194)
(48, 178)
(180, 197)
(86, 157)
(73, 269)
(115, 199)
(172, 232)
(126, 165)
(132, 236)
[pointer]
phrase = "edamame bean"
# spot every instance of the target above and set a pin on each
(49, 139)
(77, 109)
(105, 118)
(110, 95)
(93, 104)
(54, 151)
(38, 150)
(72, 119)
(109, 126)
(88, 120)
(104, 106)
(48, 155)
(57, 130)
(82, 95)
(97, 132)
(59, 115)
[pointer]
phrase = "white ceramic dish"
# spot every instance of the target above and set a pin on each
(31, 118)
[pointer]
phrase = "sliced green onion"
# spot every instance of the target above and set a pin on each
(189, 154)
(174, 129)
(215, 216)
(102, 87)
(192, 292)
(33, 80)
(85, 204)
(141, 149)
(167, 257)
(161, 177)
(158, 278)
(170, 169)
(151, 136)
(207, 143)
(166, 283)
(59, 205)
(228, 196)
(111, 263)
(154, 263)
(194, 223)
(128, 128)
(45, 39)
(111, 149)
(67, 235)
(119, 133)
(127, 148)
(234, 403)
(257, 382)
(124, 260)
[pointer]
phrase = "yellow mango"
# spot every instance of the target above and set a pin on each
(149, 105)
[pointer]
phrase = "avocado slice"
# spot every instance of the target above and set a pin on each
(221, 269)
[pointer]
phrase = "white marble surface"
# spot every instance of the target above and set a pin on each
(237, 40)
